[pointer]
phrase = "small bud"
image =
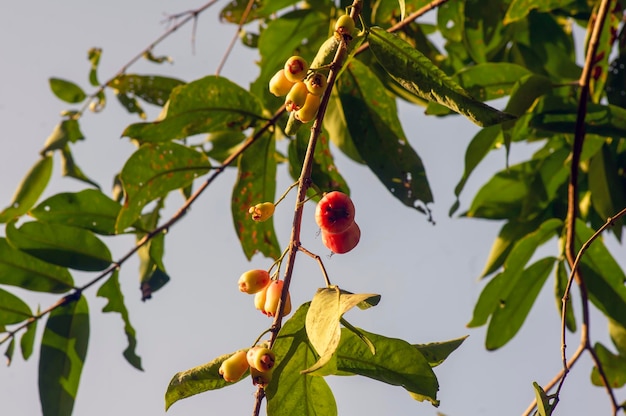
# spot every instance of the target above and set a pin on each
(262, 212)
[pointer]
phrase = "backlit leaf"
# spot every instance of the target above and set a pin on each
(67, 131)
(437, 352)
(196, 380)
(508, 318)
(418, 74)
(378, 137)
(67, 90)
(256, 183)
(614, 367)
(63, 351)
(152, 172)
(396, 362)
(89, 209)
(65, 246)
(561, 280)
(290, 392)
(19, 269)
(29, 189)
(12, 309)
(152, 89)
(202, 106)
(115, 303)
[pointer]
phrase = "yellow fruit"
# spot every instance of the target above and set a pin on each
(279, 84)
(296, 68)
(234, 367)
(296, 96)
(309, 109)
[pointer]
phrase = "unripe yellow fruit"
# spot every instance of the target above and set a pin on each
(296, 96)
(279, 85)
(261, 358)
(345, 25)
(296, 68)
(234, 367)
(309, 109)
(263, 211)
(260, 378)
(316, 83)
(253, 281)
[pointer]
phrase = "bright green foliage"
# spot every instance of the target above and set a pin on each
(112, 291)
(256, 183)
(196, 380)
(63, 352)
(67, 90)
(29, 190)
(12, 309)
(152, 172)
(521, 52)
(22, 270)
(72, 247)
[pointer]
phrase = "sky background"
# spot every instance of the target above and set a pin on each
(427, 275)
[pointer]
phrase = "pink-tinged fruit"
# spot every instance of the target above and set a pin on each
(261, 358)
(296, 97)
(272, 297)
(253, 281)
(334, 213)
(296, 68)
(343, 242)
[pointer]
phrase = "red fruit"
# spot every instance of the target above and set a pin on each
(272, 297)
(342, 242)
(253, 281)
(334, 213)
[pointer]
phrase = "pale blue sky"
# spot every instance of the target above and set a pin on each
(426, 274)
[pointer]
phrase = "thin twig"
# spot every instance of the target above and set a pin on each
(319, 261)
(231, 45)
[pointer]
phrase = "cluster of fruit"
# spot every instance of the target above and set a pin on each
(303, 88)
(266, 291)
(259, 360)
(334, 215)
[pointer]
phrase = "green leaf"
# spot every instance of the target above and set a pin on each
(233, 12)
(614, 367)
(603, 276)
(501, 286)
(510, 233)
(558, 114)
(111, 291)
(65, 246)
(396, 362)
(477, 149)
(224, 143)
(202, 106)
(519, 9)
(19, 269)
(12, 309)
(63, 351)
(324, 173)
(290, 392)
(544, 407)
(196, 380)
(8, 353)
(71, 169)
(419, 75)
(484, 34)
(337, 126)
(150, 88)
(27, 342)
(131, 105)
(322, 320)
(89, 209)
(152, 172)
(256, 183)
(437, 352)
(152, 274)
(560, 284)
(618, 336)
(29, 190)
(514, 308)
(608, 194)
(372, 118)
(451, 20)
(94, 58)
(67, 90)
(67, 131)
